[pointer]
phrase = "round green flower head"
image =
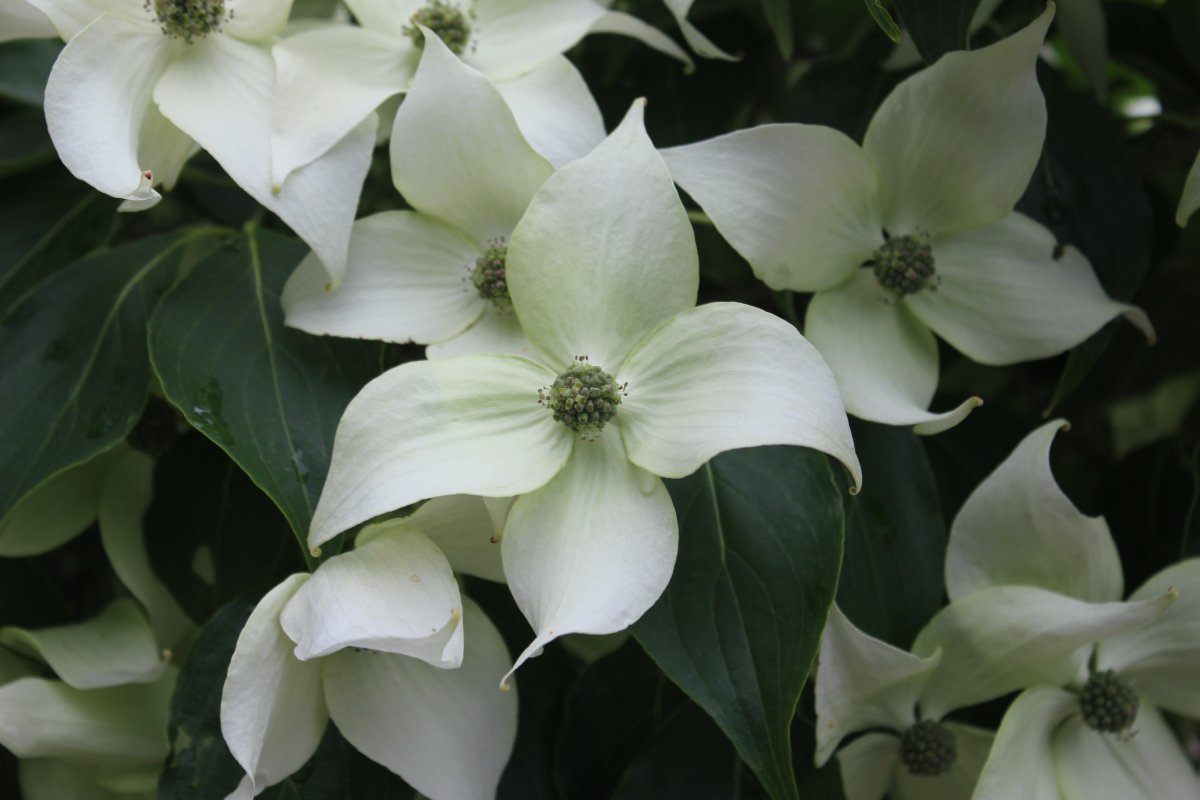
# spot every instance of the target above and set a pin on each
(444, 19)
(904, 264)
(1108, 702)
(928, 749)
(188, 19)
(488, 277)
(584, 398)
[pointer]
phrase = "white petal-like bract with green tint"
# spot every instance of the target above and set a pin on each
(465, 425)
(219, 91)
(407, 279)
(117, 726)
(517, 36)
(956, 143)
(457, 153)
(463, 529)
(447, 732)
(272, 714)
(20, 20)
(328, 81)
(593, 549)
(695, 39)
(493, 332)
(868, 765)
(1149, 764)
(863, 683)
(555, 111)
(998, 640)
(256, 19)
(115, 647)
(1162, 659)
(56, 511)
(799, 202)
(393, 594)
(95, 102)
(1009, 293)
(1021, 765)
(884, 359)
(604, 253)
(1018, 528)
(724, 376)
(1189, 201)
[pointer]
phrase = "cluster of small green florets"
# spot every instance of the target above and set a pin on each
(904, 264)
(446, 20)
(928, 749)
(1108, 703)
(488, 277)
(188, 19)
(584, 398)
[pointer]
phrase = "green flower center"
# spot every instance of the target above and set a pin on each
(904, 264)
(488, 277)
(1108, 702)
(928, 749)
(188, 19)
(444, 19)
(584, 398)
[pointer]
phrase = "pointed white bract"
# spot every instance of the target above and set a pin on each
(602, 274)
(127, 122)
(433, 274)
(332, 78)
(912, 234)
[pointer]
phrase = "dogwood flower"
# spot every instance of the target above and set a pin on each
(911, 234)
(865, 685)
(141, 84)
(435, 275)
(379, 640)
(99, 730)
(636, 383)
(331, 79)
(1091, 728)
(1189, 201)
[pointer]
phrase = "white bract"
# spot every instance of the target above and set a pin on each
(602, 272)
(140, 85)
(912, 233)
(435, 275)
(99, 731)
(20, 20)
(379, 640)
(1090, 727)
(330, 79)
(695, 39)
(1189, 201)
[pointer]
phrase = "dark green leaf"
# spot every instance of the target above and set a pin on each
(779, 19)
(73, 351)
(24, 142)
(891, 580)
(50, 220)
(1088, 192)
(24, 67)
(211, 534)
(815, 783)
(883, 19)
(612, 709)
(270, 396)
(937, 26)
(200, 766)
(737, 628)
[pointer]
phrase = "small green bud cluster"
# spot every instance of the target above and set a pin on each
(928, 749)
(488, 277)
(1108, 702)
(444, 19)
(904, 264)
(584, 398)
(188, 19)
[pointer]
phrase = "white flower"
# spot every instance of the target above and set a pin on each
(1189, 201)
(333, 78)
(20, 20)
(435, 275)
(379, 640)
(140, 84)
(911, 233)
(1090, 727)
(601, 267)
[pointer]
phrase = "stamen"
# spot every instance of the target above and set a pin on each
(188, 19)
(584, 398)
(928, 749)
(446, 20)
(488, 277)
(904, 264)
(1108, 703)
